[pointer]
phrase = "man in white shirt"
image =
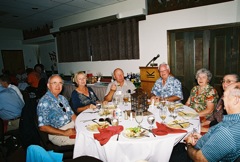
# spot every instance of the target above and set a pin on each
(119, 87)
(6, 83)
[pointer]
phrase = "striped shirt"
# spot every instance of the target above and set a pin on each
(222, 143)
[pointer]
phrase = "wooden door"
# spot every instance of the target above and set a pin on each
(189, 51)
(13, 60)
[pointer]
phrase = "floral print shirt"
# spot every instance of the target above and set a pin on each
(53, 111)
(172, 87)
(198, 101)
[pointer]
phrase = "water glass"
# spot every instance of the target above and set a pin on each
(139, 117)
(151, 120)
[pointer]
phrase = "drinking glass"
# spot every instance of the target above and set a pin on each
(151, 120)
(163, 114)
(126, 99)
(139, 117)
(171, 108)
(175, 114)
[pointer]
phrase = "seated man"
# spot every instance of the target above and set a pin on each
(5, 81)
(221, 142)
(10, 107)
(119, 87)
(55, 116)
(167, 87)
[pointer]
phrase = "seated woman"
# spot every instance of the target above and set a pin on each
(203, 97)
(219, 111)
(83, 97)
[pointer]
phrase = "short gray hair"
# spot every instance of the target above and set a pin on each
(165, 64)
(54, 75)
(204, 71)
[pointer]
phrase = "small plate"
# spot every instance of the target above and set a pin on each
(93, 127)
(187, 114)
(178, 124)
(129, 133)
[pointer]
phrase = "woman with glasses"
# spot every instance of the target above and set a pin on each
(219, 111)
(203, 97)
(83, 97)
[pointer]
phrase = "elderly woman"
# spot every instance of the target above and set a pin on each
(83, 97)
(203, 97)
(218, 113)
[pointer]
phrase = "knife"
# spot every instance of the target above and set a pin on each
(149, 131)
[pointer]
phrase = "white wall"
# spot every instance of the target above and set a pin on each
(153, 36)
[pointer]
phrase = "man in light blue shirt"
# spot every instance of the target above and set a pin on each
(167, 87)
(10, 106)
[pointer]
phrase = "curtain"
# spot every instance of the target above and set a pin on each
(116, 40)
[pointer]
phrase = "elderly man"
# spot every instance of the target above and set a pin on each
(10, 107)
(119, 87)
(221, 143)
(55, 116)
(167, 87)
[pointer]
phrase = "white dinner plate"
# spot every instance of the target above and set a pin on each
(135, 135)
(93, 127)
(178, 124)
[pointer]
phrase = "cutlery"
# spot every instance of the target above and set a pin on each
(118, 136)
(149, 131)
(91, 112)
(183, 113)
(96, 122)
(87, 120)
(178, 123)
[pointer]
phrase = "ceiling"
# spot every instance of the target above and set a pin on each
(30, 14)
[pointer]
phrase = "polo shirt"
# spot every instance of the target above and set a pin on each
(222, 143)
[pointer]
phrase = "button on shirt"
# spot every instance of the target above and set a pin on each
(222, 143)
(172, 87)
(50, 111)
(10, 104)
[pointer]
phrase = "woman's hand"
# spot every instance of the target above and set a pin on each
(92, 106)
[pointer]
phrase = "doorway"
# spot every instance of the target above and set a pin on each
(215, 48)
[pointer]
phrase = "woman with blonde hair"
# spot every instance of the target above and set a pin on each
(83, 97)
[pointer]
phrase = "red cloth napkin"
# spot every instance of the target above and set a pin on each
(106, 133)
(162, 129)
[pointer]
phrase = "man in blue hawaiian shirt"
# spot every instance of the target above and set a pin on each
(167, 86)
(55, 116)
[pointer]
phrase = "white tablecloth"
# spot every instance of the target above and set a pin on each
(152, 149)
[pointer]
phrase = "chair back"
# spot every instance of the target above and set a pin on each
(186, 94)
(1, 132)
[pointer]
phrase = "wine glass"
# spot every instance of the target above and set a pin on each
(139, 117)
(151, 120)
(171, 108)
(174, 114)
(163, 114)
(126, 99)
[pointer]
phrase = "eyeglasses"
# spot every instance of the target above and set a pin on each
(106, 119)
(63, 108)
(57, 83)
(227, 81)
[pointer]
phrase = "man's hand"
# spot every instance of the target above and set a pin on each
(69, 132)
(113, 87)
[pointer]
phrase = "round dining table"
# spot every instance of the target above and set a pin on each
(121, 148)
